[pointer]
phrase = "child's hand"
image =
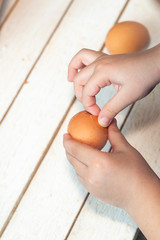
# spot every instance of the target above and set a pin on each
(132, 75)
(121, 177)
(113, 177)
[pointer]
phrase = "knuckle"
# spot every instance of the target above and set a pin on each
(85, 91)
(95, 173)
(100, 66)
(98, 165)
(91, 179)
(83, 50)
(86, 105)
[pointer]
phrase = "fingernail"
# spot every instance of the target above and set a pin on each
(104, 122)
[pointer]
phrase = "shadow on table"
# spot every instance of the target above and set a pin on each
(3, 8)
(158, 1)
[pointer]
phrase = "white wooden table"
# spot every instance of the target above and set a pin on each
(40, 196)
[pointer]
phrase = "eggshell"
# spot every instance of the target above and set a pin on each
(84, 127)
(127, 37)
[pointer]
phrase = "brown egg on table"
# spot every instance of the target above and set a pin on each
(84, 127)
(127, 37)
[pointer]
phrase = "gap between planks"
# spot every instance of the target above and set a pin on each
(9, 13)
(123, 9)
(35, 169)
(136, 234)
(55, 132)
(36, 61)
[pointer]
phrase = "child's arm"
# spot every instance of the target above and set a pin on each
(122, 178)
(132, 75)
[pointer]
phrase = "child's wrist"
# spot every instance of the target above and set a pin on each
(155, 54)
(145, 207)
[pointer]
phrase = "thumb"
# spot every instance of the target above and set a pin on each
(117, 103)
(116, 138)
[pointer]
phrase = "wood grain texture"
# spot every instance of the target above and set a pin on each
(39, 108)
(22, 39)
(142, 129)
(27, 11)
(5, 8)
(55, 195)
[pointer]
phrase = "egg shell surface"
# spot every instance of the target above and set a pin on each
(84, 127)
(127, 37)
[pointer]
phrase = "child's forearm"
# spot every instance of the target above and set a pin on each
(155, 54)
(145, 208)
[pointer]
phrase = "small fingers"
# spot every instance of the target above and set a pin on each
(116, 104)
(81, 79)
(116, 138)
(83, 152)
(97, 81)
(81, 156)
(75, 149)
(80, 168)
(83, 58)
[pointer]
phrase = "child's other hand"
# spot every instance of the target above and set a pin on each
(132, 75)
(121, 177)
(113, 177)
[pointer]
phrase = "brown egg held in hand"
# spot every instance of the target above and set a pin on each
(127, 37)
(84, 127)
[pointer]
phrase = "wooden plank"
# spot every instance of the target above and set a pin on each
(51, 201)
(41, 104)
(142, 129)
(103, 221)
(22, 38)
(142, 124)
(55, 195)
(5, 8)
(146, 113)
